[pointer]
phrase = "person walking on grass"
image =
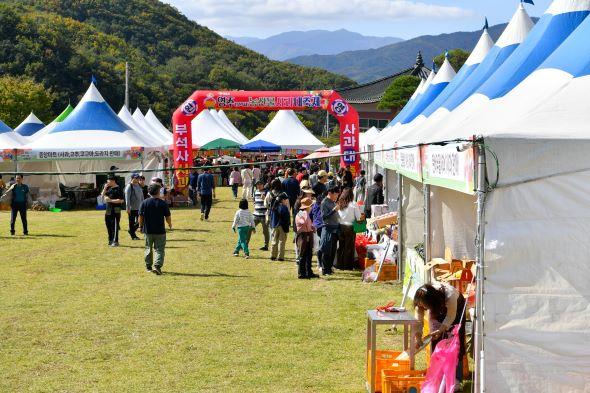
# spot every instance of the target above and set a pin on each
(305, 234)
(18, 205)
(133, 200)
(235, 178)
(114, 197)
(247, 177)
(260, 212)
(206, 191)
(280, 221)
(152, 214)
(329, 239)
(244, 225)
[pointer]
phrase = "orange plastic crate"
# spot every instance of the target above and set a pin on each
(402, 381)
(388, 272)
(385, 360)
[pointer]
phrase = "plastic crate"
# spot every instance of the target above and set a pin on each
(385, 360)
(388, 272)
(402, 381)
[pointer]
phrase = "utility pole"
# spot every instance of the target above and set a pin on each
(127, 85)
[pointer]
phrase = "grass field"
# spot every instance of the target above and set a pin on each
(78, 316)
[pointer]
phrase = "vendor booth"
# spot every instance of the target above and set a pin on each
(502, 168)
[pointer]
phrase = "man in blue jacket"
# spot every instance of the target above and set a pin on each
(329, 239)
(206, 191)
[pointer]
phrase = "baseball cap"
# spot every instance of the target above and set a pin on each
(135, 176)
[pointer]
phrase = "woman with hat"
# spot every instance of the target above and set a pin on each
(348, 212)
(305, 233)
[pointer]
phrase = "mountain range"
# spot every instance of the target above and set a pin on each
(314, 42)
(368, 65)
(60, 44)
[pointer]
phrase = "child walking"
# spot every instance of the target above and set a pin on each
(244, 223)
(305, 233)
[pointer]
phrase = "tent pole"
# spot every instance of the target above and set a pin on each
(427, 249)
(127, 85)
(400, 233)
(479, 372)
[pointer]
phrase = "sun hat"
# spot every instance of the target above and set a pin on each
(304, 184)
(308, 190)
(322, 173)
(305, 203)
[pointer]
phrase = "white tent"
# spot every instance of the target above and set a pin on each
(150, 140)
(147, 131)
(231, 126)
(237, 135)
(533, 115)
(287, 131)
(206, 129)
(155, 123)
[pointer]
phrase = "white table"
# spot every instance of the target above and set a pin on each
(375, 318)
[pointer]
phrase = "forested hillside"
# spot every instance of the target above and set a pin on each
(61, 43)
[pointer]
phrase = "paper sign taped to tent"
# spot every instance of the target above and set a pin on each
(449, 166)
(409, 163)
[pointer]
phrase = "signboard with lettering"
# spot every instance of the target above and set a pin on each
(84, 154)
(450, 166)
(409, 163)
(327, 100)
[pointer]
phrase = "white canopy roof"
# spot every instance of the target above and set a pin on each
(155, 123)
(206, 129)
(287, 131)
(231, 130)
(147, 130)
(231, 126)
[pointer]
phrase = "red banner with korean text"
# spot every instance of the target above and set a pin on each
(328, 100)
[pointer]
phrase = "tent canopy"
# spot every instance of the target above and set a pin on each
(4, 128)
(45, 130)
(29, 126)
(322, 152)
(206, 129)
(220, 144)
(260, 146)
(287, 131)
(92, 125)
(155, 123)
(223, 117)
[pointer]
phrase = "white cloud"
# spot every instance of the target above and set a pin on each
(229, 16)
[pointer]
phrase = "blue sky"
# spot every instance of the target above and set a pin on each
(400, 18)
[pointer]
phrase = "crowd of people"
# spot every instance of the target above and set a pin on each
(319, 207)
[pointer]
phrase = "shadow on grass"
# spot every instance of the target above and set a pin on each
(190, 230)
(143, 246)
(17, 236)
(204, 275)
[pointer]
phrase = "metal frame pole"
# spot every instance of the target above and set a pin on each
(427, 237)
(400, 232)
(127, 85)
(479, 371)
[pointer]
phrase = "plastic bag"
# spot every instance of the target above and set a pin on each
(443, 364)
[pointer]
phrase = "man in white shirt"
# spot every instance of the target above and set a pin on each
(256, 175)
(247, 182)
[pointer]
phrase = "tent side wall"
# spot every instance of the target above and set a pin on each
(412, 215)
(537, 297)
(391, 189)
(453, 219)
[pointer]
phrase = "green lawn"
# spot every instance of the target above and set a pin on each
(78, 316)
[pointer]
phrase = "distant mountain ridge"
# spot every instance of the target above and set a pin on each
(314, 42)
(368, 65)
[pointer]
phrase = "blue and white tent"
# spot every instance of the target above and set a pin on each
(433, 89)
(536, 255)
(29, 126)
(92, 126)
(561, 19)
(479, 53)
(4, 128)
